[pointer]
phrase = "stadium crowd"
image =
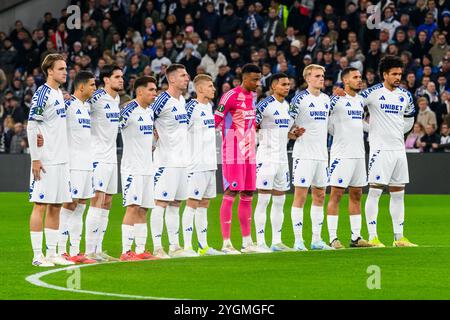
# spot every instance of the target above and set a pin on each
(218, 37)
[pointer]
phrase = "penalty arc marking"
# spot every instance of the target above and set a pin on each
(35, 279)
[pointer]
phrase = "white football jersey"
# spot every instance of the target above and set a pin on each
(136, 125)
(171, 123)
(346, 119)
(202, 136)
(387, 110)
(78, 134)
(48, 117)
(105, 114)
(274, 122)
(311, 112)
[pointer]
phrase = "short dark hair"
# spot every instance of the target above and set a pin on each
(174, 67)
(277, 76)
(82, 77)
(347, 70)
(388, 62)
(250, 68)
(107, 71)
(144, 81)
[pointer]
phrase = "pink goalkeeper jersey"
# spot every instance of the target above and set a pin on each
(237, 109)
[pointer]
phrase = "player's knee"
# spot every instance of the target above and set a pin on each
(318, 197)
(70, 206)
(355, 195)
(204, 203)
(175, 203)
(336, 194)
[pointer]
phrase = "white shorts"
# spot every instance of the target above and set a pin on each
(105, 177)
(388, 167)
(82, 184)
(171, 184)
(54, 186)
(345, 173)
(137, 190)
(272, 176)
(201, 185)
(308, 173)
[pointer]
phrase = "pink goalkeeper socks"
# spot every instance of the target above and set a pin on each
(226, 212)
(245, 214)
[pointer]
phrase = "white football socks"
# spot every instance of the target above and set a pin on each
(355, 225)
(316, 221)
(201, 225)
(127, 237)
(65, 216)
(173, 225)
(104, 217)
(93, 218)
(277, 217)
(51, 240)
(36, 243)
(372, 211)
(156, 226)
(188, 226)
(260, 217)
(397, 210)
(332, 222)
(297, 223)
(140, 236)
(76, 228)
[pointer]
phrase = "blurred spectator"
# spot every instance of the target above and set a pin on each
(16, 145)
(8, 132)
(440, 49)
(425, 116)
(159, 61)
(273, 26)
(389, 23)
(212, 60)
(429, 141)
(444, 143)
(414, 136)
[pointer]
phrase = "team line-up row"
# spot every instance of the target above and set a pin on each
(164, 162)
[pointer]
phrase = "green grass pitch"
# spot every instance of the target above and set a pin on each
(405, 273)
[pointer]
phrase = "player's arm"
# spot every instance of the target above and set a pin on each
(408, 116)
(35, 118)
(294, 109)
(333, 101)
(225, 104)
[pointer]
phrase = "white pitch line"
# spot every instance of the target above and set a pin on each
(35, 279)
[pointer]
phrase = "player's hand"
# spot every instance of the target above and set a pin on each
(299, 131)
(434, 145)
(339, 92)
(40, 140)
(36, 167)
(155, 134)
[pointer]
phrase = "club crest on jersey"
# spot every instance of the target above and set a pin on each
(326, 106)
(401, 99)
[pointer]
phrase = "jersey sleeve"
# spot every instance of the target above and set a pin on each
(225, 105)
(38, 104)
(410, 109)
(159, 104)
(260, 108)
(189, 110)
(125, 114)
(294, 107)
